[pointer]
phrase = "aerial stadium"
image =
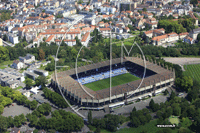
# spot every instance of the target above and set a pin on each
(126, 76)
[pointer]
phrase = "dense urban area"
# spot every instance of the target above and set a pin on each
(42, 42)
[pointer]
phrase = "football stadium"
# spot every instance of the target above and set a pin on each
(126, 76)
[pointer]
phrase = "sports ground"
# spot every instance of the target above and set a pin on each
(193, 71)
(117, 80)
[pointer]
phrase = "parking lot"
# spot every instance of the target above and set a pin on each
(140, 105)
(15, 110)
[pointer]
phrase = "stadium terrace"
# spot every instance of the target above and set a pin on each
(157, 79)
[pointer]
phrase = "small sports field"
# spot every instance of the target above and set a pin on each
(174, 120)
(117, 80)
(193, 71)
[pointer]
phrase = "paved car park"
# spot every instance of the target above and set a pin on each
(139, 105)
(15, 110)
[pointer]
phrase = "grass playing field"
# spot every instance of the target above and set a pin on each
(117, 80)
(193, 71)
(174, 120)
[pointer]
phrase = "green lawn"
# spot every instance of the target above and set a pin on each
(18, 88)
(117, 80)
(193, 71)
(174, 120)
(2, 65)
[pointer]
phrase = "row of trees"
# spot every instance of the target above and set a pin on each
(55, 98)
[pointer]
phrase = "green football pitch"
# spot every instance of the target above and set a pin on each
(117, 80)
(193, 71)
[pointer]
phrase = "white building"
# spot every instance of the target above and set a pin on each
(13, 38)
(27, 59)
(17, 64)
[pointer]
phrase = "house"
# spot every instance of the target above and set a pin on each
(194, 33)
(183, 35)
(50, 39)
(27, 59)
(85, 39)
(15, 130)
(171, 37)
(17, 64)
(126, 29)
(70, 42)
(13, 38)
(192, 16)
(155, 32)
(159, 40)
(105, 31)
(189, 40)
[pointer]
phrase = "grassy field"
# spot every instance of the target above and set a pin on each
(174, 120)
(18, 88)
(117, 80)
(193, 71)
(2, 65)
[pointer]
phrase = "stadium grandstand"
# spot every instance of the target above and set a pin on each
(156, 80)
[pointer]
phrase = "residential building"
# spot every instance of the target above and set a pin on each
(17, 64)
(189, 40)
(85, 39)
(27, 59)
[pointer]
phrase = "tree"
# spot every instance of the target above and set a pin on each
(184, 130)
(41, 80)
(5, 37)
(28, 82)
(142, 119)
(98, 130)
(184, 83)
(41, 54)
(198, 37)
(177, 111)
(172, 96)
(4, 54)
(3, 124)
(135, 121)
(144, 9)
(151, 104)
(90, 117)
(155, 107)
(33, 104)
(159, 114)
